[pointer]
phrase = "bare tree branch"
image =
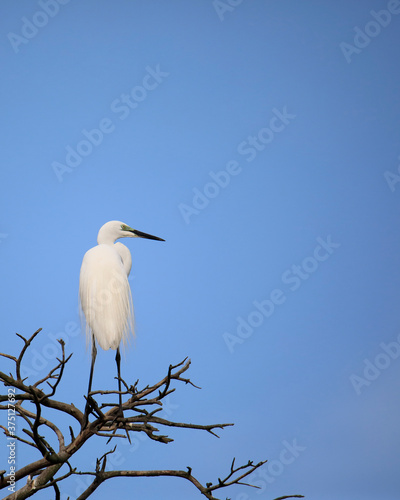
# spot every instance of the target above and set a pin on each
(140, 413)
(23, 350)
(101, 476)
(290, 496)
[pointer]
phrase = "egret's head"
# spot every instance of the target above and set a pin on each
(126, 231)
(114, 230)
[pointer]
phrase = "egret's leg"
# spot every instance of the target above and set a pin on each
(120, 412)
(94, 354)
(87, 408)
(118, 361)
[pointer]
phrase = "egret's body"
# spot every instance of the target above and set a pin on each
(104, 291)
(105, 294)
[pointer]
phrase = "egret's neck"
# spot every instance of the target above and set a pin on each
(106, 237)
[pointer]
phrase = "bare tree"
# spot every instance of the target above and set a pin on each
(143, 406)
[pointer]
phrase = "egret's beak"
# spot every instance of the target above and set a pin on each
(145, 235)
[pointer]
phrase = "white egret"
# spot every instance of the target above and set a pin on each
(105, 294)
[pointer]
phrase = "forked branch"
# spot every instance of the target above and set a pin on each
(140, 413)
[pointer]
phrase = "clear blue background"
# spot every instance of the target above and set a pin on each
(290, 380)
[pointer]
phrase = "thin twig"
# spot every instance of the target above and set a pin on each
(23, 350)
(144, 406)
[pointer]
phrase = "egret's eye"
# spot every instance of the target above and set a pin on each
(124, 227)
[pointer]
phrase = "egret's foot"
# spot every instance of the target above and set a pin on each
(119, 414)
(88, 409)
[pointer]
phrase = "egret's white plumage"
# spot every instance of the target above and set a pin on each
(105, 294)
(104, 291)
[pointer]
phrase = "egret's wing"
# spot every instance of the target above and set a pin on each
(125, 255)
(105, 297)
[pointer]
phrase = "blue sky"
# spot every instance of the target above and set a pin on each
(261, 140)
